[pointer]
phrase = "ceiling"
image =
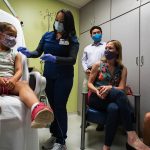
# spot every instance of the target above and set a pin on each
(76, 3)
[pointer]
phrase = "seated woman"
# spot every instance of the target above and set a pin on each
(107, 82)
(146, 130)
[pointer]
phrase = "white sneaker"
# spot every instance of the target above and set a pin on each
(49, 143)
(58, 146)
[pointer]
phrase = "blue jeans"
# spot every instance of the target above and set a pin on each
(117, 108)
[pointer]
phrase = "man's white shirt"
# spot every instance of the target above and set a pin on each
(92, 54)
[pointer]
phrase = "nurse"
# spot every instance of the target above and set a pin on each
(60, 49)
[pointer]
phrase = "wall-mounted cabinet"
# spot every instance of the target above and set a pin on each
(144, 1)
(102, 11)
(126, 30)
(119, 7)
(87, 17)
(145, 59)
(94, 13)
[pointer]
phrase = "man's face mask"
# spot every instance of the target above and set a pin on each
(8, 41)
(97, 37)
(110, 55)
(59, 26)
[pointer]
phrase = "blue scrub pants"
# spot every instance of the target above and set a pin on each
(58, 91)
(117, 108)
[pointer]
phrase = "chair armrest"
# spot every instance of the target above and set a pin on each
(37, 82)
(137, 112)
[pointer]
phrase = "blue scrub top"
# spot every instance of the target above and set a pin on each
(51, 45)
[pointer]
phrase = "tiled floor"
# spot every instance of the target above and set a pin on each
(94, 140)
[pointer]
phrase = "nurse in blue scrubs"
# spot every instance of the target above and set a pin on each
(60, 48)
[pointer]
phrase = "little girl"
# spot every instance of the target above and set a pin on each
(10, 74)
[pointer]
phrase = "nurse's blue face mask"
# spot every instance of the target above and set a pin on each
(110, 55)
(8, 41)
(59, 26)
(97, 37)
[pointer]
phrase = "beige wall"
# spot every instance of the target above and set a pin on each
(32, 13)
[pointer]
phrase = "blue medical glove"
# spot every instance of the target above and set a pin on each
(48, 57)
(24, 51)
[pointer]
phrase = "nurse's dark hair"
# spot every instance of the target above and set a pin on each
(4, 26)
(68, 23)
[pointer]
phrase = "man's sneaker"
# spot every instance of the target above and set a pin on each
(49, 143)
(41, 116)
(58, 146)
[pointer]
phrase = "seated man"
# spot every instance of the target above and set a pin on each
(146, 130)
(10, 74)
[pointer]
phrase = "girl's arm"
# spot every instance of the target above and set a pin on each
(17, 73)
(18, 68)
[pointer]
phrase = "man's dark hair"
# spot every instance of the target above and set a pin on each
(95, 27)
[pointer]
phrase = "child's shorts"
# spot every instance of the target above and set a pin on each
(4, 90)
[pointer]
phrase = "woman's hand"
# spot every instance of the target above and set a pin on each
(98, 94)
(104, 90)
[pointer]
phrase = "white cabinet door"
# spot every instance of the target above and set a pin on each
(85, 39)
(126, 30)
(105, 32)
(144, 1)
(102, 11)
(145, 59)
(121, 6)
(87, 17)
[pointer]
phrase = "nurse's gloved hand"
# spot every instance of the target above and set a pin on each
(24, 51)
(48, 57)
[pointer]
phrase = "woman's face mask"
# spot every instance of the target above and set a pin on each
(110, 54)
(59, 26)
(8, 41)
(97, 37)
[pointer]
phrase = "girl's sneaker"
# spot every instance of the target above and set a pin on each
(41, 116)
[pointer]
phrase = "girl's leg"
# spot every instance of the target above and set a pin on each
(41, 114)
(25, 93)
